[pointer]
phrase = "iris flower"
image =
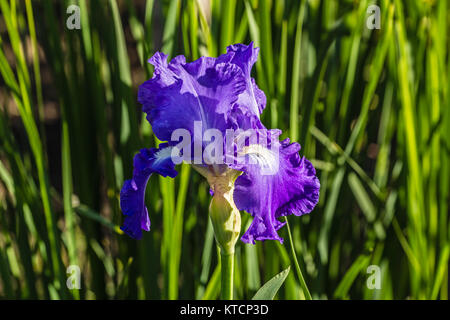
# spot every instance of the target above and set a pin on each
(220, 94)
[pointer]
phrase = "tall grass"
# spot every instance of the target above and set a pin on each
(369, 107)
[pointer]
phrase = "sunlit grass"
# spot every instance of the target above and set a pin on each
(369, 107)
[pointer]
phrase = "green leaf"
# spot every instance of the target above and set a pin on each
(271, 287)
(349, 278)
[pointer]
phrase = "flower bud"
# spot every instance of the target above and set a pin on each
(225, 216)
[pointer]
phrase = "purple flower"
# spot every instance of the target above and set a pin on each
(221, 96)
(132, 195)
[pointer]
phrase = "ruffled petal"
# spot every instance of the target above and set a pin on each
(132, 195)
(289, 187)
(219, 92)
(181, 93)
(252, 100)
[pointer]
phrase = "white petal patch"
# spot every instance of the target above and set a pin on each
(162, 155)
(266, 159)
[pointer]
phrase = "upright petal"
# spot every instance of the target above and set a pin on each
(290, 187)
(181, 93)
(132, 195)
(252, 100)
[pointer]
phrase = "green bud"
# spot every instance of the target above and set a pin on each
(225, 216)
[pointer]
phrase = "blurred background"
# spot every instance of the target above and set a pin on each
(369, 106)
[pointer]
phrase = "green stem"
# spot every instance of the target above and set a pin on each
(297, 266)
(227, 264)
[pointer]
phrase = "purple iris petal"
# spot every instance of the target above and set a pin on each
(181, 93)
(219, 92)
(252, 99)
(132, 195)
(292, 189)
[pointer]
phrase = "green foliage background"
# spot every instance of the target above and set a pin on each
(369, 107)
